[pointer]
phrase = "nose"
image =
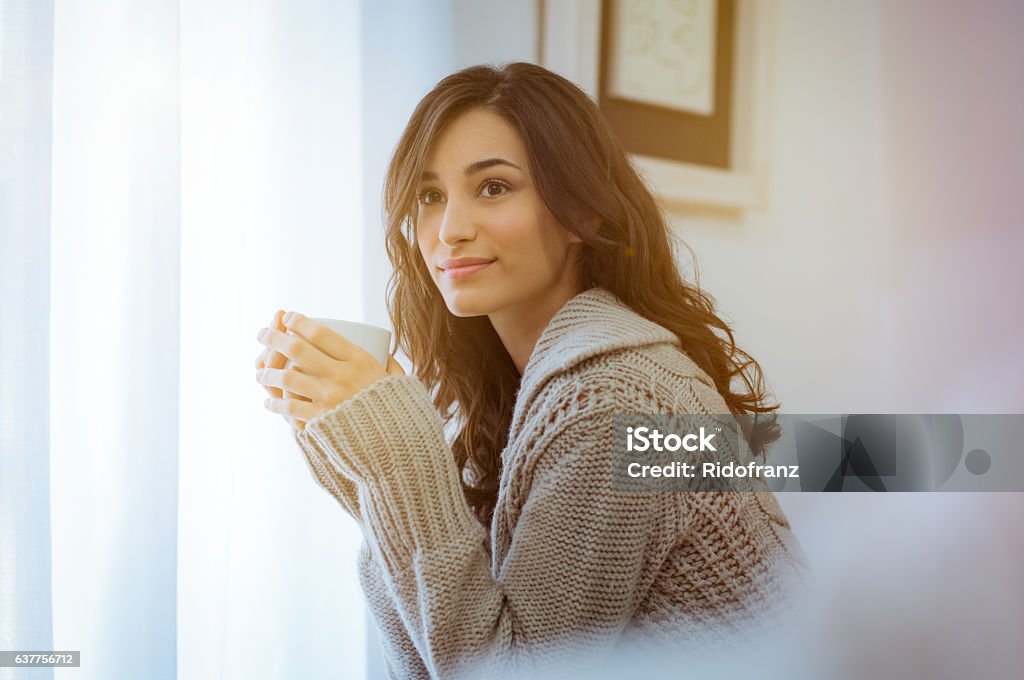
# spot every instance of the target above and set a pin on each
(456, 224)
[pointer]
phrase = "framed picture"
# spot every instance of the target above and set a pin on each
(684, 83)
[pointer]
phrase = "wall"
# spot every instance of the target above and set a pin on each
(953, 106)
(800, 278)
(885, 259)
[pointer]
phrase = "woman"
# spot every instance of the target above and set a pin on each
(535, 290)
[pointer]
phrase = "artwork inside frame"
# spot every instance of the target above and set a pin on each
(661, 53)
(656, 117)
(690, 158)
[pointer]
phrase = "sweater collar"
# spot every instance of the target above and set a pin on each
(591, 323)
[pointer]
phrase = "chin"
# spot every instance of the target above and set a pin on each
(468, 303)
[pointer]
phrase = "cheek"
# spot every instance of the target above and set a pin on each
(425, 252)
(553, 239)
(519, 228)
(424, 239)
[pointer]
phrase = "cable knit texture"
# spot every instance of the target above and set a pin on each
(569, 566)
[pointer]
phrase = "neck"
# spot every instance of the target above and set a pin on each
(520, 326)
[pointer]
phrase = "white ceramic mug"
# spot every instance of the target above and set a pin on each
(373, 339)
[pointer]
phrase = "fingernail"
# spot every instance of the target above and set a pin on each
(288, 318)
(266, 403)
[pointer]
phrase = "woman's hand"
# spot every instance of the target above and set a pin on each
(323, 368)
(271, 359)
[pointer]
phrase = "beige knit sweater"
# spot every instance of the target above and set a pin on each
(569, 566)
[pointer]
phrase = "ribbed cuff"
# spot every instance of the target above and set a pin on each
(389, 439)
(334, 482)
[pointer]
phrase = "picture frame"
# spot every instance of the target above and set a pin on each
(570, 44)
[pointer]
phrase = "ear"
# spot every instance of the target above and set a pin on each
(588, 226)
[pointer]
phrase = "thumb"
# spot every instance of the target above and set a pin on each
(394, 368)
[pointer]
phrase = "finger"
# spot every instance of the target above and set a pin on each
(272, 359)
(295, 423)
(272, 391)
(297, 349)
(292, 381)
(275, 360)
(276, 393)
(394, 368)
(268, 358)
(275, 322)
(278, 360)
(288, 365)
(301, 410)
(320, 336)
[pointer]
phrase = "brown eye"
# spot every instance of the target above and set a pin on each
(429, 196)
(493, 188)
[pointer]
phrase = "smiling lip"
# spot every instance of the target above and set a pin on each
(464, 266)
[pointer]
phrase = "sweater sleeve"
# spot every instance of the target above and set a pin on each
(581, 557)
(400, 655)
(327, 475)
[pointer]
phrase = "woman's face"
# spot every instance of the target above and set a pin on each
(477, 200)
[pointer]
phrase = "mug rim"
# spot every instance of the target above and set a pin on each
(367, 326)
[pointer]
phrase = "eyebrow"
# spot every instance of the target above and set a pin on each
(472, 168)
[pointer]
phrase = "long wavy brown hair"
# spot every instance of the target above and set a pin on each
(587, 182)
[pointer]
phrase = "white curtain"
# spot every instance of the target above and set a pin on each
(272, 217)
(113, 335)
(206, 169)
(26, 41)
